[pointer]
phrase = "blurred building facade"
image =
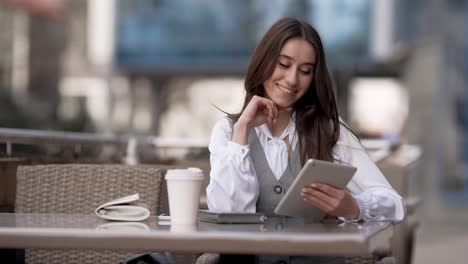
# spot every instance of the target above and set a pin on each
(152, 67)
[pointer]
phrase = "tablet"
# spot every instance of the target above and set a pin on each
(292, 204)
(230, 218)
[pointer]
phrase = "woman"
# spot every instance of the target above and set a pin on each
(290, 115)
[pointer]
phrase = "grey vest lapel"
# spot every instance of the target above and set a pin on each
(271, 189)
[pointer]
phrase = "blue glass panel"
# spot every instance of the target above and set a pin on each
(206, 36)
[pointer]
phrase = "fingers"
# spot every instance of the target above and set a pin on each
(314, 201)
(332, 191)
(323, 196)
(318, 196)
(331, 200)
(259, 111)
(269, 108)
(275, 111)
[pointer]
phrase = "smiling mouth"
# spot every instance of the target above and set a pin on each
(285, 89)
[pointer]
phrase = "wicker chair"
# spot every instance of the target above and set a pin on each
(78, 189)
(213, 258)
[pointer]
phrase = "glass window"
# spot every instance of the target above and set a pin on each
(212, 36)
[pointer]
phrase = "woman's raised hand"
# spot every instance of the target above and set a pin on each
(259, 111)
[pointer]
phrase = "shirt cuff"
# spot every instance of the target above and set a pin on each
(362, 211)
(238, 149)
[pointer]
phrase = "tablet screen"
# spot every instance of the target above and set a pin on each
(292, 204)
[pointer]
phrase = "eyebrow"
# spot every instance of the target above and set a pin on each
(290, 58)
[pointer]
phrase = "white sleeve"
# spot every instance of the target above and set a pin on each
(377, 200)
(233, 183)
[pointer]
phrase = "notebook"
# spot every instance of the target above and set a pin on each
(230, 218)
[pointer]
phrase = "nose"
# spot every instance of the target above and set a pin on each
(291, 76)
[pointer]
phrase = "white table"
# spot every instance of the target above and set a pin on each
(278, 236)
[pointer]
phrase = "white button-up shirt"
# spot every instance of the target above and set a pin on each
(234, 185)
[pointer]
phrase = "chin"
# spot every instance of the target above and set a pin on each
(284, 105)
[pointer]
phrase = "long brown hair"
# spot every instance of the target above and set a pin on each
(317, 120)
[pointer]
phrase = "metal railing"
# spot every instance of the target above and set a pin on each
(10, 136)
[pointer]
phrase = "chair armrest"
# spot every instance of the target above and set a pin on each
(208, 258)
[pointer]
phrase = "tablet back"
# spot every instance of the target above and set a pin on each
(292, 204)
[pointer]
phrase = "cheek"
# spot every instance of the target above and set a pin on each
(306, 81)
(267, 85)
(277, 74)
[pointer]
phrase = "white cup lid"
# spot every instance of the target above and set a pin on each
(184, 174)
(196, 170)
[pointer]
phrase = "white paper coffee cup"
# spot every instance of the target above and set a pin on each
(183, 228)
(184, 190)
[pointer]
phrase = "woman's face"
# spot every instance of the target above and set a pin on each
(293, 73)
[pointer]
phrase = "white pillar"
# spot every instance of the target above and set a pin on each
(20, 55)
(101, 43)
(101, 27)
(382, 29)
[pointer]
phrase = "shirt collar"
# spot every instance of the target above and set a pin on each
(288, 132)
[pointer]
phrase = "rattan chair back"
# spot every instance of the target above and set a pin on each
(79, 189)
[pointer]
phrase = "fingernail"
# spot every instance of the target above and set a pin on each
(314, 185)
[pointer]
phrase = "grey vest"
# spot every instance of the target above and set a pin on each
(271, 189)
(271, 192)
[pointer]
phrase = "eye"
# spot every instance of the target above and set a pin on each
(306, 71)
(283, 65)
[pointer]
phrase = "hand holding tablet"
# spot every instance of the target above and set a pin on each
(314, 171)
(333, 201)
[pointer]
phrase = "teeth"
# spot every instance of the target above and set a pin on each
(286, 90)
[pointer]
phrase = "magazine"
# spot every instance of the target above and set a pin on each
(123, 209)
